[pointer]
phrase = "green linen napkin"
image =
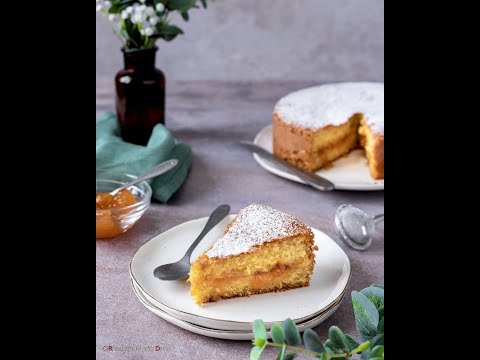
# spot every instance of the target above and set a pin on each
(117, 155)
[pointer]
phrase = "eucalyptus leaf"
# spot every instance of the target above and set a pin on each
(353, 344)
(290, 356)
(278, 335)
(377, 340)
(259, 330)
(292, 336)
(378, 285)
(312, 341)
(380, 327)
(256, 352)
(281, 354)
(375, 295)
(365, 355)
(366, 316)
(331, 348)
(380, 312)
(337, 337)
(377, 351)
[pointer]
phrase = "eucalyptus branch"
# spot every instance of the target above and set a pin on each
(368, 306)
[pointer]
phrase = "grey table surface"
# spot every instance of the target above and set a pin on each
(211, 117)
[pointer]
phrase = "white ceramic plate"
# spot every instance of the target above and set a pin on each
(223, 334)
(331, 276)
(347, 173)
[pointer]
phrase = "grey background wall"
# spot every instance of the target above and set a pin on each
(249, 40)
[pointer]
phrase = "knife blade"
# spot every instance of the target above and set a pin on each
(311, 179)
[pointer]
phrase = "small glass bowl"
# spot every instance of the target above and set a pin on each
(113, 222)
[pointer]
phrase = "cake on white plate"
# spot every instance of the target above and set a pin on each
(262, 250)
(313, 127)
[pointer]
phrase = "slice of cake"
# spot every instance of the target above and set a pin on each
(315, 126)
(262, 250)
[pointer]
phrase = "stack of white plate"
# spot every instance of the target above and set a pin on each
(233, 318)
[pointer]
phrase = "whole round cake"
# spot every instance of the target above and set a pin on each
(315, 126)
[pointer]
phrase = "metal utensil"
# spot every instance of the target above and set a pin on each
(153, 172)
(181, 268)
(355, 226)
(311, 179)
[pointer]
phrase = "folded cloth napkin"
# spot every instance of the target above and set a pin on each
(117, 155)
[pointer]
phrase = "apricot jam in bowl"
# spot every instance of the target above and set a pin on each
(116, 214)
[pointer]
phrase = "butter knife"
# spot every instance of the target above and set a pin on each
(311, 179)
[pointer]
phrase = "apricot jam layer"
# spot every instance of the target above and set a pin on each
(108, 224)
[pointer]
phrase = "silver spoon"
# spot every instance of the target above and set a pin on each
(181, 268)
(355, 226)
(155, 171)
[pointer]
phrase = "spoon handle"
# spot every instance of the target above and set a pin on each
(217, 215)
(378, 217)
(155, 171)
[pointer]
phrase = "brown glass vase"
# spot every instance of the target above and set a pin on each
(140, 100)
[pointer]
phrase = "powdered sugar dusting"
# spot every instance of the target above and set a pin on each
(255, 225)
(334, 104)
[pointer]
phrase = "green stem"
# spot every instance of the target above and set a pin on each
(305, 351)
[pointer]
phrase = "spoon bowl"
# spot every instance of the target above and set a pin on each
(355, 226)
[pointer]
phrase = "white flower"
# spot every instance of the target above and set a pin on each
(153, 21)
(148, 31)
(112, 17)
(99, 7)
(107, 5)
(150, 11)
(137, 18)
(143, 8)
(160, 7)
(125, 15)
(143, 1)
(99, 1)
(129, 10)
(142, 32)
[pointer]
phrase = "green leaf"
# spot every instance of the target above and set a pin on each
(375, 295)
(170, 32)
(292, 336)
(185, 15)
(282, 352)
(338, 339)
(330, 348)
(312, 341)
(259, 330)
(324, 356)
(376, 358)
(362, 347)
(290, 356)
(380, 312)
(377, 351)
(278, 335)
(352, 342)
(366, 316)
(378, 340)
(365, 355)
(204, 3)
(180, 5)
(256, 352)
(380, 328)
(259, 342)
(378, 285)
